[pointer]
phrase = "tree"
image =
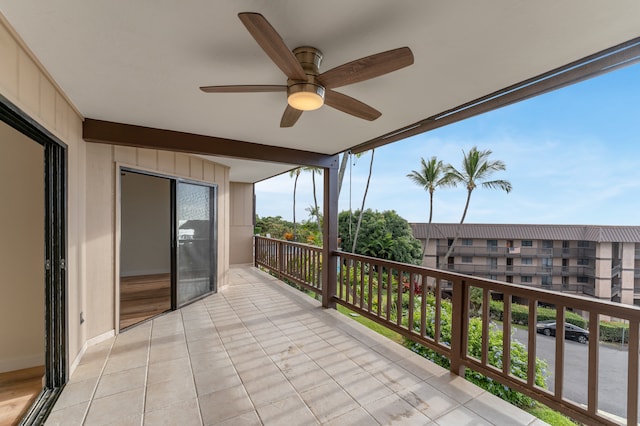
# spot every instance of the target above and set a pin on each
(383, 235)
(313, 171)
(430, 176)
(296, 173)
(476, 169)
(364, 198)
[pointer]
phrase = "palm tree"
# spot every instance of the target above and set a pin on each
(313, 171)
(476, 169)
(364, 197)
(430, 177)
(296, 173)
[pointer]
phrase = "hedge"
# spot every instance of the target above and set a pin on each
(520, 314)
(609, 331)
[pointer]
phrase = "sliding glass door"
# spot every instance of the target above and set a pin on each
(195, 224)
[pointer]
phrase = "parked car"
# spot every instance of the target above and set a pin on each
(572, 332)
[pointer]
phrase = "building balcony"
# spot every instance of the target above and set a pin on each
(477, 269)
(261, 352)
(490, 251)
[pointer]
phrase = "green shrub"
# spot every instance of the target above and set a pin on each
(519, 353)
(614, 332)
(520, 314)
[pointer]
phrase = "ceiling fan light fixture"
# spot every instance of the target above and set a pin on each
(305, 96)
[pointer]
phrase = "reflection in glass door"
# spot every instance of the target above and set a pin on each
(195, 210)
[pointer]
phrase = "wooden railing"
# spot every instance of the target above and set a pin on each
(298, 263)
(435, 308)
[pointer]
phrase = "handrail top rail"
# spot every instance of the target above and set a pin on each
(311, 246)
(605, 307)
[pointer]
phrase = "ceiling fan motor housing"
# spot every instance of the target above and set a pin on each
(309, 92)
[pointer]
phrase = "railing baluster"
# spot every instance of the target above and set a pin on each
(399, 298)
(438, 314)
(592, 370)
(506, 335)
(354, 295)
(411, 303)
(486, 319)
(389, 298)
(531, 356)
(370, 289)
(362, 290)
(379, 286)
(423, 307)
(632, 383)
(559, 373)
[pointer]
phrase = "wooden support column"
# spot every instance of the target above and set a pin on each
(330, 235)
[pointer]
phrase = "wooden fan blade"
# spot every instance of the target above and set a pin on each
(243, 88)
(350, 105)
(366, 68)
(273, 45)
(290, 116)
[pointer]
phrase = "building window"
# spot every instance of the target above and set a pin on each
(526, 261)
(546, 280)
(467, 242)
(583, 262)
(583, 244)
(583, 280)
(547, 262)
(493, 277)
(467, 259)
(510, 278)
(493, 263)
(547, 244)
(526, 279)
(526, 243)
(565, 244)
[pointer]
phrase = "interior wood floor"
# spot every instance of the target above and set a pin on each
(18, 390)
(143, 297)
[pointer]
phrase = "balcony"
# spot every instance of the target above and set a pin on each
(477, 269)
(391, 294)
(260, 352)
(492, 251)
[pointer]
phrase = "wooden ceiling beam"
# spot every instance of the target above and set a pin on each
(107, 132)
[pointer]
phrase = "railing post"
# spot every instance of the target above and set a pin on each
(279, 259)
(457, 326)
(330, 235)
(256, 241)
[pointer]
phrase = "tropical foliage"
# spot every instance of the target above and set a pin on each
(519, 354)
(383, 235)
(277, 227)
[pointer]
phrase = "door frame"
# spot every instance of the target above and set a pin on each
(174, 180)
(55, 268)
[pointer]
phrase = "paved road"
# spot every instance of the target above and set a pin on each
(612, 380)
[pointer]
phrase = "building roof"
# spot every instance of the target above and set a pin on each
(622, 234)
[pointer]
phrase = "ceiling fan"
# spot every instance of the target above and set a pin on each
(308, 89)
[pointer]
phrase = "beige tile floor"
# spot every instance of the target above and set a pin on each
(260, 352)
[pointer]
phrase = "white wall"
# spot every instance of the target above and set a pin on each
(145, 225)
(21, 251)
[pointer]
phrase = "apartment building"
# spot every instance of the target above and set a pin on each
(599, 261)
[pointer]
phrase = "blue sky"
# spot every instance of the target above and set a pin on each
(572, 156)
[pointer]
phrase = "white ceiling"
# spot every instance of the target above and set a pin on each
(141, 62)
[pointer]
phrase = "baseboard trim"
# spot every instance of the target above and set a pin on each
(21, 363)
(93, 341)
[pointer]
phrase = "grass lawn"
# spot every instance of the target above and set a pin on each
(372, 325)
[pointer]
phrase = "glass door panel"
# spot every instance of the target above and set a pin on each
(194, 216)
